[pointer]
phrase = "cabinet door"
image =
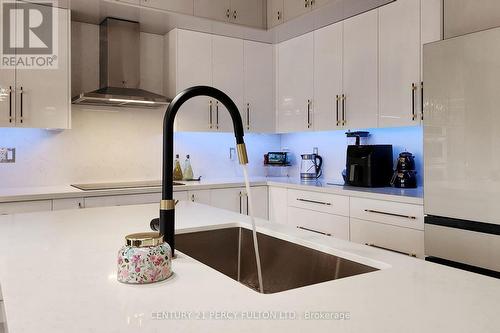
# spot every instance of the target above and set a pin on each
(228, 198)
(294, 8)
(317, 222)
(248, 12)
(7, 97)
(200, 196)
(181, 195)
(228, 77)
(260, 202)
(122, 200)
(69, 203)
(274, 13)
(399, 63)
(213, 9)
(360, 70)
(43, 95)
(278, 205)
(180, 6)
(259, 108)
(25, 207)
(295, 83)
(388, 237)
(193, 67)
(327, 77)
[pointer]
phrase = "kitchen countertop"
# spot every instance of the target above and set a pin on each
(58, 274)
(413, 196)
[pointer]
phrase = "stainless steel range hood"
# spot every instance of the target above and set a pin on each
(119, 59)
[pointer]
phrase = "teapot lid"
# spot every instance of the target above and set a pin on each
(144, 239)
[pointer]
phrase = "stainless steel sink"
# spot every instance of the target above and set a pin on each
(285, 265)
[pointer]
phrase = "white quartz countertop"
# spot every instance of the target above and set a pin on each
(15, 194)
(58, 274)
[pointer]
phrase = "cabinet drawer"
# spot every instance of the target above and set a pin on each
(318, 222)
(70, 203)
(122, 200)
(388, 237)
(320, 202)
(25, 207)
(395, 213)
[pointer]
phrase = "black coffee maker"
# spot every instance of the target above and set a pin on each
(405, 175)
(368, 165)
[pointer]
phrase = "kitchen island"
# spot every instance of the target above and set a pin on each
(58, 274)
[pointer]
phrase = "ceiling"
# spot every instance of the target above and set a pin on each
(161, 22)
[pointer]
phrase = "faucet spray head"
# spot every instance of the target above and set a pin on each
(242, 153)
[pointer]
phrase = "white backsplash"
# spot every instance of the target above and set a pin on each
(332, 147)
(118, 145)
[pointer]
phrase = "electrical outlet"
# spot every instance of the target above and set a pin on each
(7, 155)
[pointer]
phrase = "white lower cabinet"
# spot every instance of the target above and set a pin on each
(318, 222)
(278, 205)
(236, 200)
(25, 207)
(200, 196)
(122, 200)
(69, 203)
(388, 237)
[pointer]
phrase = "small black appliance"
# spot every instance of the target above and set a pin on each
(405, 175)
(368, 165)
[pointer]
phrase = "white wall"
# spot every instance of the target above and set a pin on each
(332, 147)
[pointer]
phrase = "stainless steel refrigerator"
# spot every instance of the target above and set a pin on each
(462, 151)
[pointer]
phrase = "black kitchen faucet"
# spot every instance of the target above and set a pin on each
(166, 223)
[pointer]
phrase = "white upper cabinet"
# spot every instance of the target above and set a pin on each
(327, 111)
(180, 6)
(248, 12)
(243, 12)
(295, 84)
(195, 58)
(258, 110)
(360, 77)
(294, 8)
(7, 97)
(274, 13)
(189, 63)
(227, 60)
(399, 61)
(40, 98)
(214, 9)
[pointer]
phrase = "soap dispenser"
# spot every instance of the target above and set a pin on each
(177, 169)
(188, 170)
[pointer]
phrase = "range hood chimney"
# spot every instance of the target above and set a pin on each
(119, 65)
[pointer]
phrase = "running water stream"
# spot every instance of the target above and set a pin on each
(254, 231)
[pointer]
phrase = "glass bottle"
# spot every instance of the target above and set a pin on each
(177, 169)
(188, 170)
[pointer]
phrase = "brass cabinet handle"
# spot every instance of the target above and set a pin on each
(314, 202)
(337, 98)
(10, 105)
(306, 3)
(311, 3)
(228, 13)
(308, 114)
(21, 118)
(192, 198)
(422, 100)
(344, 121)
(279, 15)
(248, 116)
(210, 120)
(315, 231)
(413, 92)
(235, 14)
(387, 249)
(390, 214)
(217, 114)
